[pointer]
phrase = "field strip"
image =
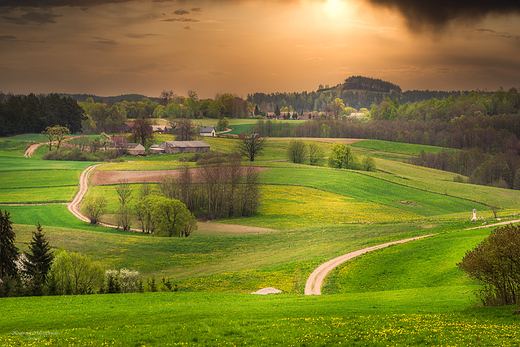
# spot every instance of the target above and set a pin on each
(315, 281)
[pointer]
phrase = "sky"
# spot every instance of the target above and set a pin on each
(114, 47)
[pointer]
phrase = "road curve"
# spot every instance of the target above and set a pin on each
(315, 280)
(73, 206)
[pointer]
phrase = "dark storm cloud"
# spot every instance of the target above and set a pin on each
(33, 17)
(140, 36)
(55, 3)
(104, 41)
(181, 20)
(438, 14)
(498, 34)
(181, 12)
(196, 9)
(8, 38)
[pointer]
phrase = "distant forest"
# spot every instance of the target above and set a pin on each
(484, 129)
(356, 92)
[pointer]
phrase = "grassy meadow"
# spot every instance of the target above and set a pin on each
(407, 294)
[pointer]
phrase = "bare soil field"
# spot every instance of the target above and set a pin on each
(100, 178)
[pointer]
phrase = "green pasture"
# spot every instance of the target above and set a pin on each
(387, 147)
(420, 317)
(356, 184)
(290, 255)
(429, 262)
(55, 215)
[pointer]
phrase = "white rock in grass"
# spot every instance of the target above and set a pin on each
(269, 290)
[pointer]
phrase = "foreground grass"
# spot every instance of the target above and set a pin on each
(419, 317)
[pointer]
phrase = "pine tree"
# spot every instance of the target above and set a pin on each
(8, 250)
(38, 261)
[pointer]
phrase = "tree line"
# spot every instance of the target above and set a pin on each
(32, 114)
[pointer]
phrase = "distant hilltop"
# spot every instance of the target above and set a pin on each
(361, 83)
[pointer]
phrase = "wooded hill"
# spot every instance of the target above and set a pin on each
(357, 92)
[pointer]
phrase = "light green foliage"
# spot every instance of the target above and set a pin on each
(74, 273)
(105, 140)
(222, 124)
(369, 164)
(342, 156)
(56, 133)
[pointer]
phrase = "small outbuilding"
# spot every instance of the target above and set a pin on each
(185, 146)
(130, 148)
(207, 131)
(155, 149)
(125, 128)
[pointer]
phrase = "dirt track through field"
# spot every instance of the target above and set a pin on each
(315, 281)
(115, 177)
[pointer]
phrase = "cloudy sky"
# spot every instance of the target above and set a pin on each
(112, 47)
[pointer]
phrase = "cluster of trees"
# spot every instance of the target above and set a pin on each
(23, 273)
(495, 264)
(106, 117)
(32, 114)
(41, 272)
(221, 187)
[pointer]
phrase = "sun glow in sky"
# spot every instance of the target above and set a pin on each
(112, 47)
(335, 8)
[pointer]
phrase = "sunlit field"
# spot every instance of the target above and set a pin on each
(408, 294)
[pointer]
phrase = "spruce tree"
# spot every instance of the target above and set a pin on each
(38, 261)
(8, 250)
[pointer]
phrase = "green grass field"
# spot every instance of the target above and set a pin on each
(408, 294)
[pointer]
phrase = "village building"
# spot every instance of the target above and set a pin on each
(155, 149)
(185, 146)
(207, 131)
(159, 129)
(125, 127)
(130, 148)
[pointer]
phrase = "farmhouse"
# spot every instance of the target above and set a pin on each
(125, 127)
(185, 146)
(159, 129)
(207, 131)
(131, 148)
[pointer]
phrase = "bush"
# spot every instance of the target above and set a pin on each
(496, 263)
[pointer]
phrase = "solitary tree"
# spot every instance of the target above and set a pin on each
(142, 129)
(250, 146)
(38, 260)
(8, 250)
(342, 156)
(56, 133)
(296, 151)
(183, 128)
(94, 208)
(124, 193)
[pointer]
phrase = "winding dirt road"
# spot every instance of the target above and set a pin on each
(73, 206)
(315, 281)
